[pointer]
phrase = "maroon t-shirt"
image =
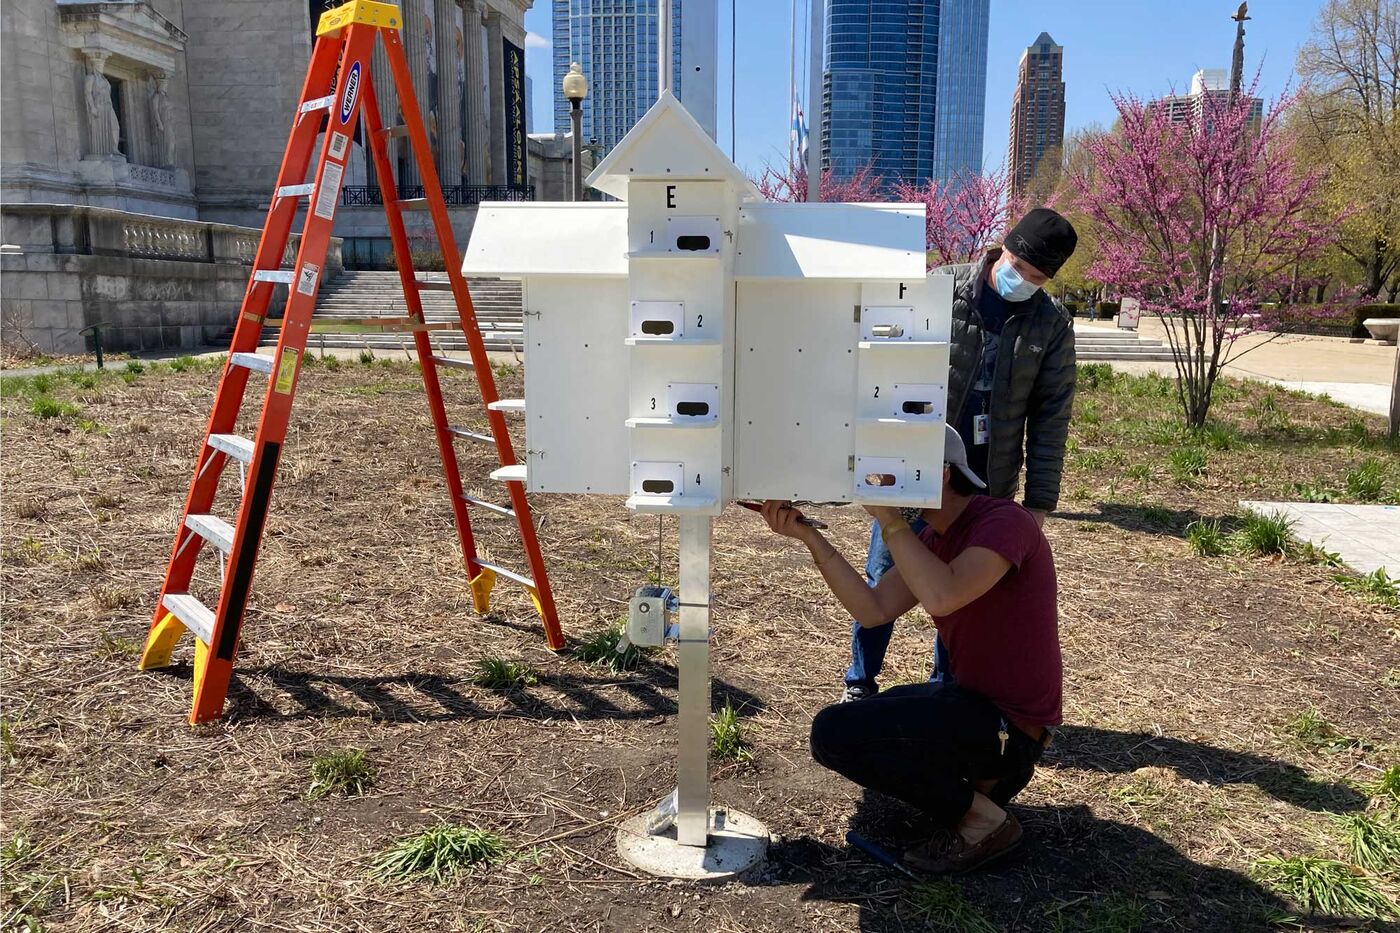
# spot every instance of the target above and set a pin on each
(1005, 644)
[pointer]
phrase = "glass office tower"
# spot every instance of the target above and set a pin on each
(904, 87)
(614, 41)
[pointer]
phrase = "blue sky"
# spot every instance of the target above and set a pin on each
(1143, 46)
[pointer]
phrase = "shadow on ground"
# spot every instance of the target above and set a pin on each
(646, 693)
(1086, 748)
(1074, 872)
(1151, 518)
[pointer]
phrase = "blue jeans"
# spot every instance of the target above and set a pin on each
(868, 645)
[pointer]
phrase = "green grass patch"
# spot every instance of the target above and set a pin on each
(1311, 553)
(1313, 492)
(1373, 842)
(1386, 789)
(46, 406)
(1207, 538)
(601, 648)
(367, 357)
(332, 363)
(941, 905)
(1187, 464)
(1264, 535)
(1116, 913)
(1325, 886)
(1310, 730)
(1218, 436)
(1094, 376)
(111, 647)
(1377, 586)
(1139, 793)
(343, 772)
(496, 673)
(1366, 482)
(727, 741)
(438, 854)
(1139, 471)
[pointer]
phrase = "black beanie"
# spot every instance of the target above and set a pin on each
(1044, 239)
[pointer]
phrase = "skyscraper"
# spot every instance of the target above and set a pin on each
(1037, 110)
(904, 87)
(614, 42)
(1207, 84)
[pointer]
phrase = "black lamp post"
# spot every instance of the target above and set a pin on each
(575, 90)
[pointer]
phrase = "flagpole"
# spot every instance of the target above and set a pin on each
(814, 104)
(792, 87)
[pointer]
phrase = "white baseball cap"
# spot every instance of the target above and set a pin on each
(955, 454)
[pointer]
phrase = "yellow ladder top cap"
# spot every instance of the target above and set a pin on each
(372, 12)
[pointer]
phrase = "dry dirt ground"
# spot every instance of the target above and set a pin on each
(1176, 771)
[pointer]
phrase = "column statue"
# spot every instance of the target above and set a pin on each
(161, 120)
(104, 134)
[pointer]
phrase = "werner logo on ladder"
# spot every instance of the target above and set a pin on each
(345, 41)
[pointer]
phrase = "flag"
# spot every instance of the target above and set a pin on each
(799, 129)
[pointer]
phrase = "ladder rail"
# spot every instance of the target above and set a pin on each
(233, 382)
(211, 689)
(437, 208)
(340, 61)
(408, 277)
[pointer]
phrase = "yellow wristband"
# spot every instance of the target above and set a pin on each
(892, 527)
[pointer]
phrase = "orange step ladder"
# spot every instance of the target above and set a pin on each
(340, 65)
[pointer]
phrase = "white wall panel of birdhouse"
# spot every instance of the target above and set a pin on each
(795, 345)
(576, 384)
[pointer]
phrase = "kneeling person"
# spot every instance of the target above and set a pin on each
(983, 571)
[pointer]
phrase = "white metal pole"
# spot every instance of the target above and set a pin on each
(663, 46)
(814, 104)
(693, 778)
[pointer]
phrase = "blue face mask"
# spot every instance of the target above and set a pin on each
(1010, 285)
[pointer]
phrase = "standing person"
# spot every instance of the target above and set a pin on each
(1010, 388)
(960, 752)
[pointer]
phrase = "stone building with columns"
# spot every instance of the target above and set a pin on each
(181, 108)
(139, 130)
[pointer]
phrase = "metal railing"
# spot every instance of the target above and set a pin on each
(363, 195)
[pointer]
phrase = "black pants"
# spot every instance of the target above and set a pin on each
(927, 745)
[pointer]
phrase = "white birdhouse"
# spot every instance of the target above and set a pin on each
(691, 343)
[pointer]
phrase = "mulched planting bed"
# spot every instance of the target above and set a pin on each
(1182, 763)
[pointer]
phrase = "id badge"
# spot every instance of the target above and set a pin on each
(981, 429)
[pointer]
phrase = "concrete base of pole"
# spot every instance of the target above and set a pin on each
(738, 845)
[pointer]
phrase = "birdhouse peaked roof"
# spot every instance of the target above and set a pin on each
(667, 144)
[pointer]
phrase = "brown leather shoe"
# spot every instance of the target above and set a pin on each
(943, 856)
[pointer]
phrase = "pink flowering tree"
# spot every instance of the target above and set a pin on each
(789, 183)
(1203, 220)
(963, 218)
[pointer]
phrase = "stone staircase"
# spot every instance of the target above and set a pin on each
(1099, 343)
(363, 294)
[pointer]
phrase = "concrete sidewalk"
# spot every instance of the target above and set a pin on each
(1353, 372)
(1366, 537)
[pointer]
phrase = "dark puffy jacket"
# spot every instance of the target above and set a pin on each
(1032, 387)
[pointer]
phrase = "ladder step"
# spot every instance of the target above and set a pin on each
(194, 615)
(396, 131)
(515, 473)
(490, 506)
(236, 446)
(363, 325)
(319, 103)
(253, 361)
(471, 435)
(213, 529)
(453, 363)
(507, 573)
(414, 204)
(284, 276)
(296, 191)
(507, 404)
